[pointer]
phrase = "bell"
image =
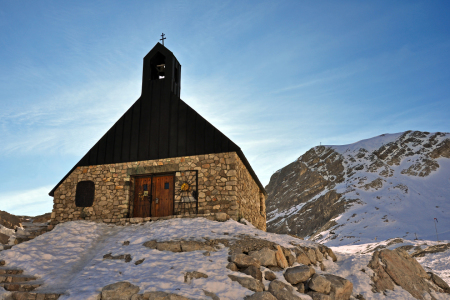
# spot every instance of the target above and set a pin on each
(161, 69)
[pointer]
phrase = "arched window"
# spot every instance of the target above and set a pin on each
(84, 196)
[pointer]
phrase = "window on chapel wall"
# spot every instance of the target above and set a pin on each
(84, 195)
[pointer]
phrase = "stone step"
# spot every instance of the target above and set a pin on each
(16, 278)
(34, 296)
(20, 286)
(10, 271)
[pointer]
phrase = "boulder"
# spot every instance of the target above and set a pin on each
(261, 296)
(302, 287)
(254, 272)
(249, 283)
(290, 259)
(188, 246)
(268, 275)
(340, 288)
(232, 266)
(193, 275)
(311, 254)
(157, 296)
(331, 254)
(319, 284)
(211, 295)
(172, 246)
(439, 282)
(298, 274)
(281, 259)
(245, 261)
(302, 258)
(319, 296)
(319, 255)
(265, 256)
(282, 291)
(400, 268)
(125, 257)
(119, 291)
(4, 239)
(150, 244)
(222, 217)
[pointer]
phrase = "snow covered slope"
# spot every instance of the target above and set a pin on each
(392, 185)
(70, 260)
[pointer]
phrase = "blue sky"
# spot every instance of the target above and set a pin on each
(277, 77)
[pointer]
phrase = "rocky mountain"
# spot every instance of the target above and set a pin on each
(392, 185)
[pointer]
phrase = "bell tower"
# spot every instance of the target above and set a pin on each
(161, 72)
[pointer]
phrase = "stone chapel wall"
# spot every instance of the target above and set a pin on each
(218, 187)
(250, 198)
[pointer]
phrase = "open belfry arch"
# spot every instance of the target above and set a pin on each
(160, 159)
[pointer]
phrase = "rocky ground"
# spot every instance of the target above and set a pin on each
(203, 259)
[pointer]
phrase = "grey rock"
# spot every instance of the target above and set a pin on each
(249, 283)
(439, 282)
(158, 296)
(290, 259)
(119, 291)
(311, 255)
(193, 275)
(222, 217)
(319, 296)
(319, 255)
(4, 238)
(211, 295)
(270, 275)
(150, 244)
(138, 262)
(331, 254)
(282, 291)
(320, 284)
(302, 287)
(265, 256)
(172, 246)
(188, 246)
(302, 258)
(254, 272)
(244, 261)
(125, 257)
(298, 274)
(232, 267)
(340, 288)
(261, 296)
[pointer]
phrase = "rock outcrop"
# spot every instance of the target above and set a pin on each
(397, 267)
(308, 197)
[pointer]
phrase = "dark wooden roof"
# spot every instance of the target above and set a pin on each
(159, 125)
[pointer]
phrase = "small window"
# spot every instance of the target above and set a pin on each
(84, 196)
(166, 186)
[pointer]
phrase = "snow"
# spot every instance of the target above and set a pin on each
(404, 206)
(69, 259)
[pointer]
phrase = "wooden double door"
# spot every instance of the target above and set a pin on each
(153, 196)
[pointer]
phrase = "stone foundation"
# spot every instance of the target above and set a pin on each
(224, 185)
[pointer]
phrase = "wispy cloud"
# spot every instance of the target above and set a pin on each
(29, 202)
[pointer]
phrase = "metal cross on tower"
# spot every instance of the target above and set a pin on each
(162, 38)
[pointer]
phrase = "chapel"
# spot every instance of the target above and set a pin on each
(161, 159)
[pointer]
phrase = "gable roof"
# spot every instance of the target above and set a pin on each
(159, 125)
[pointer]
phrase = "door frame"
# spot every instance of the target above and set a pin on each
(151, 175)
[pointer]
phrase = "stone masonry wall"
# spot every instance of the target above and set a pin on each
(114, 194)
(250, 198)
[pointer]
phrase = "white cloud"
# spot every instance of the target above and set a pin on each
(30, 202)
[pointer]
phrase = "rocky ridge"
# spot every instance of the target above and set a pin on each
(365, 191)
